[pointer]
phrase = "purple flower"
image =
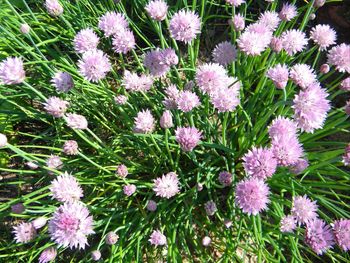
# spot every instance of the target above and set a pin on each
(56, 107)
(39, 222)
(319, 236)
(339, 56)
(24, 232)
(54, 162)
(11, 71)
(345, 84)
(252, 196)
(18, 208)
(293, 41)
(166, 121)
(184, 26)
(157, 9)
(288, 224)
(172, 94)
(255, 39)
(94, 65)
(112, 23)
(144, 122)
(70, 225)
(85, 40)
(282, 127)
(123, 41)
(129, 189)
(70, 147)
(120, 99)
(187, 101)
(96, 255)
(288, 12)
(310, 108)
(62, 81)
(260, 163)
(151, 206)
(303, 209)
(166, 186)
(25, 29)
(134, 83)
(235, 3)
(154, 62)
(238, 22)
(323, 35)
(157, 238)
(111, 238)
(122, 171)
(302, 75)
(225, 178)
(279, 75)
(76, 121)
(299, 166)
(48, 255)
(324, 69)
(206, 241)
(226, 99)
(65, 188)
(53, 7)
(276, 44)
(270, 19)
(210, 77)
(341, 231)
(286, 150)
(3, 140)
(224, 53)
(169, 57)
(346, 156)
(210, 208)
(188, 137)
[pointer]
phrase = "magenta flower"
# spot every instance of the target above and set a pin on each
(345, 84)
(62, 81)
(144, 122)
(260, 163)
(299, 166)
(323, 36)
(111, 238)
(166, 186)
(319, 236)
(210, 208)
(120, 99)
(225, 178)
(270, 19)
(24, 232)
(188, 137)
(24, 28)
(129, 189)
(206, 241)
(303, 209)
(187, 101)
(85, 40)
(287, 150)
(48, 255)
(123, 41)
(235, 3)
(54, 162)
(339, 56)
(346, 156)
(252, 196)
(53, 7)
(151, 206)
(3, 140)
(210, 77)
(122, 171)
(310, 108)
(76, 121)
(11, 71)
(238, 22)
(288, 12)
(293, 41)
(302, 75)
(65, 188)
(94, 65)
(56, 107)
(70, 147)
(157, 9)
(157, 238)
(112, 23)
(224, 53)
(341, 231)
(166, 120)
(70, 225)
(288, 224)
(276, 44)
(279, 75)
(134, 83)
(184, 26)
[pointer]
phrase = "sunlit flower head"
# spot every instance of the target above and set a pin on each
(85, 40)
(319, 236)
(144, 122)
(188, 137)
(341, 231)
(293, 41)
(111, 23)
(288, 223)
(94, 65)
(135, 83)
(123, 41)
(157, 9)
(210, 77)
(12, 71)
(62, 81)
(53, 7)
(279, 74)
(76, 121)
(56, 107)
(157, 238)
(187, 101)
(323, 35)
(270, 19)
(304, 210)
(184, 26)
(48, 255)
(166, 186)
(259, 163)
(24, 232)
(224, 53)
(302, 75)
(65, 188)
(288, 12)
(339, 56)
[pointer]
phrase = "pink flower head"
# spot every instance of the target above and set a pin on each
(24, 232)
(62, 81)
(166, 186)
(293, 41)
(341, 231)
(276, 44)
(184, 26)
(299, 166)
(238, 22)
(48, 255)
(172, 94)
(120, 99)
(155, 63)
(166, 121)
(210, 208)
(302, 75)
(270, 19)
(151, 206)
(96, 255)
(144, 122)
(345, 84)
(286, 150)
(252, 196)
(346, 156)
(134, 83)
(123, 41)
(169, 57)
(288, 224)
(323, 35)
(94, 65)
(70, 225)
(206, 241)
(210, 77)
(157, 238)
(310, 108)
(188, 137)
(56, 107)
(111, 238)
(54, 162)
(324, 69)
(85, 40)
(288, 12)
(319, 236)
(129, 189)
(224, 53)
(122, 171)
(187, 101)
(53, 7)
(65, 188)
(255, 39)
(226, 98)
(235, 3)
(225, 178)
(282, 127)
(70, 147)
(76, 121)
(260, 163)
(112, 23)
(3, 140)
(157, 9)
(303, 209)
(339, 56)
(24, 28)
(11, 71)
(279, 75)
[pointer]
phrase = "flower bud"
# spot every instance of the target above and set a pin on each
(18, 208)
(111, 238)
(122, 171)
(48, 255)
(96, 255)
(25, 28)
(3, 140)
(39, 222)
(151, 206)
(166, 121)
(206, 241)
(324, 69)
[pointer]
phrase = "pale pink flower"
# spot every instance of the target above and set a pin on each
(151, 206)
(121, 99)
(226, 99)
(270, 19)
(166, 186)
(346, 156)
(293, 41)
(299, 166)
(345, 84)
(54, 162)
(157, 238)
(172, 94)
(96, 255)
(155, 63)
(85, 40)
(304, 210)
(48, 255)
(184, 26)
(187, 101)
(238, 22)
(53, 7)
(276, 44)
(144, 122)
(224, 53)
(134, 83)
(18, 208)
(56, 107)
(166, 120)
(24, 232)
(3, 140)
(111, 238)
(65, 188)
(210, 77)
(206, 241)
(157, 9)
(70, 147)
(12, 71)
(260, 163)
(288, 224)
(286, 149)
(319, 236)
(288, 12)
(279, 75)
(94, 65)
(210, 208)
(188, 137)
(302, 75)
(112, 23)
(323, 35)
(339, 56)
(39, 222)
(25, 28)
(282, 127)
(76, 121)
(255, 39)
(123, 41)
(122, 171)
(341, 231)
(32, 165)
(62, 81)
(129, 189)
